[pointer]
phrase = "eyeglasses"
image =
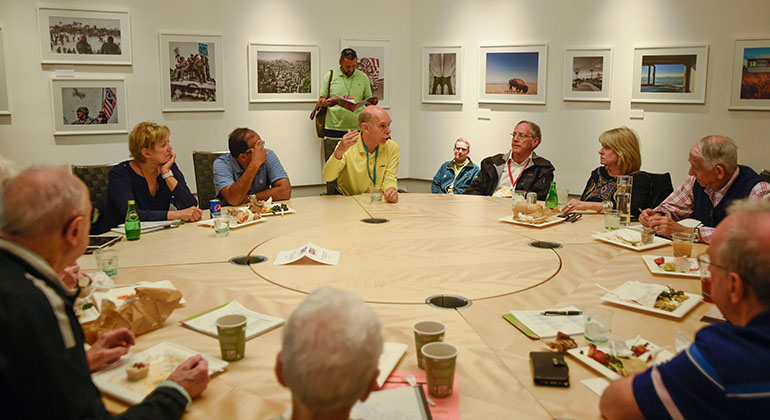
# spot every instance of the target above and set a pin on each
(521, 135)
(704, 262)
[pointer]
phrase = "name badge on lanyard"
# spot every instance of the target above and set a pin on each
(373, 177)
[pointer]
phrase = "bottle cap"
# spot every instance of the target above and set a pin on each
(130, 202)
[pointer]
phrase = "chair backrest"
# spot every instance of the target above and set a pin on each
(765, 174)
(96, 178)
(661, 187)
(203, 162)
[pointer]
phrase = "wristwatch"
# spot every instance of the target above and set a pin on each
(696, 233)
(168, 174)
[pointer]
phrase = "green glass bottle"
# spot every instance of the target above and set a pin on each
(552, 200)
(133, 226)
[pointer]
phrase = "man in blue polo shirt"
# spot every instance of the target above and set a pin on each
(249, 168)
(725, 373)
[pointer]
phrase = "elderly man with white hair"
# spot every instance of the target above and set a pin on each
(725, 373)
(715, 180)
(331, 347)
(44, 372)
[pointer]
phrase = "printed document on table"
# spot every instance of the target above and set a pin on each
(256, 323)
(309, 250)
(548, 325)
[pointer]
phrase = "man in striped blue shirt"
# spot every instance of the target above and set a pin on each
(249, 168)
(725, 373)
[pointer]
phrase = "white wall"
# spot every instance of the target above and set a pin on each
(425, 132)
(26, 137)
(571, 129)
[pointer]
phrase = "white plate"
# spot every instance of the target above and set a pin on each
(233, 223)
(685, 307)
(163, 358)
(551, 221)
(611, 237)
(655, 268)
(661, 357)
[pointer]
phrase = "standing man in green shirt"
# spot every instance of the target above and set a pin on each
(347, 84)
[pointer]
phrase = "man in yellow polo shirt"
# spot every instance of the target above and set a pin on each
(366, 157)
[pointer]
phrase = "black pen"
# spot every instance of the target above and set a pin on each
(567, 313)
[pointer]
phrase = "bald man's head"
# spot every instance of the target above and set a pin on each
(41, 200)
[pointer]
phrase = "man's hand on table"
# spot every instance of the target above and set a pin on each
(190, 214)
(192, 375)
(666, 226)
(391, 195)
(109, 348)
(645, 216)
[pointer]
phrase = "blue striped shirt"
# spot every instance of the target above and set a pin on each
(724, 374)
(227, 171)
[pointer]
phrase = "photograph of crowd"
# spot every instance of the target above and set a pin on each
(85, 106)
(192, 72)
(80, 35)
(283, 72)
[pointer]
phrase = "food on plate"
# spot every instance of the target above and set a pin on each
(640, 349)
(562, 343)
(242, 216)
(532, 213)
(630, 237)
(677, 265)
(137, 371)
(669, 300)
(648, 235)
(659, 261)
(262, 207)
(623, 366)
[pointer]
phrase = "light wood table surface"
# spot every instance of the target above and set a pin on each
(432, 244)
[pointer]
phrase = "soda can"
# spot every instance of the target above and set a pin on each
(216, 208)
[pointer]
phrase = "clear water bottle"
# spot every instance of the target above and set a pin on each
(133, 225)
(623, 198)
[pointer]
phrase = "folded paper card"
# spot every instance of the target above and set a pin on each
(310, 251)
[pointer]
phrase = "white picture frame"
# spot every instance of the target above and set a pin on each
(587, 74)
(374, 60)
(5, 97)
(263, 86)
(70, 94)
(683, 79)
(61, 32)
(442, 74)
(191, 73)
(513, 74)
(751, 80)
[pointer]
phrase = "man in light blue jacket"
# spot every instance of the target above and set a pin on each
(455, 175)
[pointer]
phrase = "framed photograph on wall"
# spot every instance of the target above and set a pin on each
(374, 60)
(442, 74)
(513, 74)
(670, 74)
(191, 72)
(587, 74)
(283, 73)
(89, 106)
(74, 36)
(751, 75)
(5, 104)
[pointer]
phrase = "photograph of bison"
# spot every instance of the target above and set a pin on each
(511, 73)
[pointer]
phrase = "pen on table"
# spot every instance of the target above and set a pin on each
(567, 313)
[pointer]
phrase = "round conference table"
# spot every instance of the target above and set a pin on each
(432, 244)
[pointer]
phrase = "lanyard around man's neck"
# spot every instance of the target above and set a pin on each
(368, 172)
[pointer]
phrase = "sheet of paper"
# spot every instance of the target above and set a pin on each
(149, 226)
(311, 251)
(256, 323)
(391, 354)
(445, 409)
(597, 385)
(548, 326)
(392, 404)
